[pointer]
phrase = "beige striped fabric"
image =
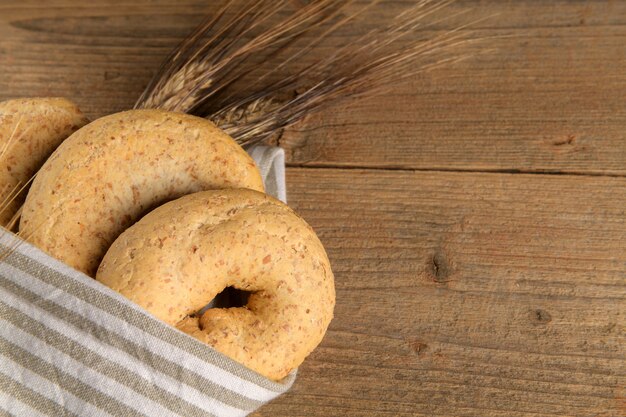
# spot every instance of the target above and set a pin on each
(71, 347)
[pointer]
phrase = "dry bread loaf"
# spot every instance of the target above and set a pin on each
(181, 255)
(112, 171)
(30, 130)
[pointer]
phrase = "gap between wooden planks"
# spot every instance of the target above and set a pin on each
(466, 295)
(549, 99)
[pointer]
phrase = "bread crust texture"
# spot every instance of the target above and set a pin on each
(109, 173)
(181, 255)
(30, 130)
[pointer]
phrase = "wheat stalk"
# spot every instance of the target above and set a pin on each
(187, 82)
(208, 59)
(201, 74)
(231, 118)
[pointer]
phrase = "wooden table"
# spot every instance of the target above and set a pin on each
(475, 218)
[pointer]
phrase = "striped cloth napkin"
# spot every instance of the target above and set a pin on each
(70, 346)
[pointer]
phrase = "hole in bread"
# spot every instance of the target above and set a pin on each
(231, 297)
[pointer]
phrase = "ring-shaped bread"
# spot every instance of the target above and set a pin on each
(181, 255)
(108, 174)
(30, 130)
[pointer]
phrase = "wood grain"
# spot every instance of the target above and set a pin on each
(459, 293)
(466, 295)
(550, 98)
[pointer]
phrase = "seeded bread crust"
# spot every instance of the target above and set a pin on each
(108, 174)
(181, 255)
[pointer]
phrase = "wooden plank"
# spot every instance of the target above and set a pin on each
(99, 53)
(551, 99)
(465, 294)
